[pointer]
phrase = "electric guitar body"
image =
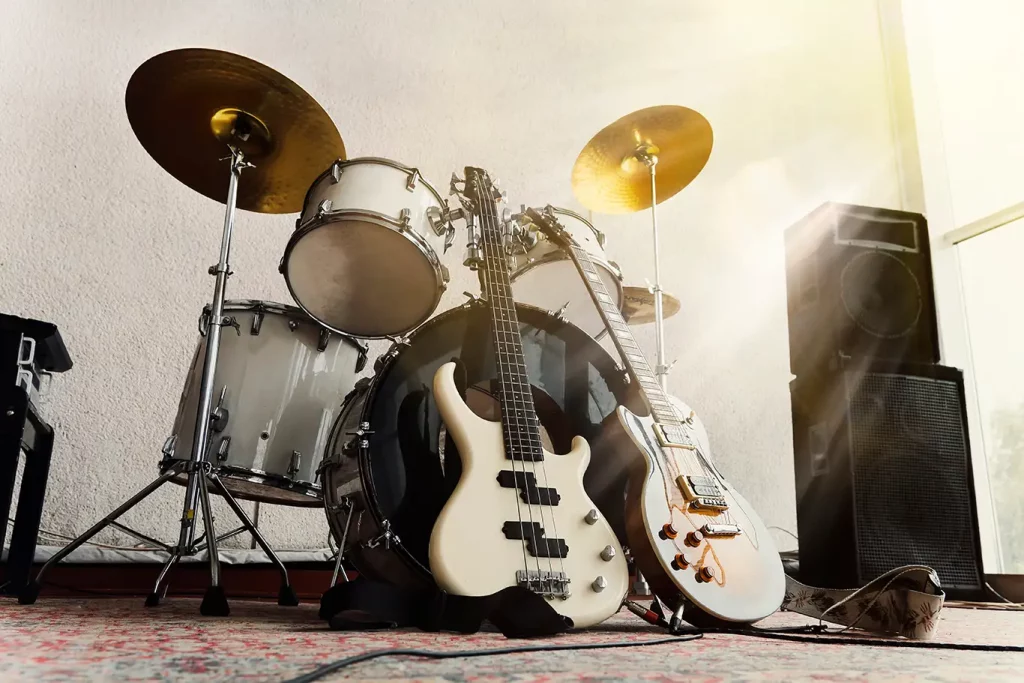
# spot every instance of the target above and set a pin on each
(519, 515)
(696, 540)
(746, 581)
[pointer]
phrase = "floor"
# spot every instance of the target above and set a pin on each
(61, 639)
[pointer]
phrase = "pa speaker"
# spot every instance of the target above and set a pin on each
(883, 476)
(859, 285)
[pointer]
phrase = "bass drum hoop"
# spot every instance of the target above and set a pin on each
(364, 499)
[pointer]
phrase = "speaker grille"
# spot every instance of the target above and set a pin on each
(912, 497)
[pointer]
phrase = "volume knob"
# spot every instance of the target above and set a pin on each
(591, 517)
(694, 538)
(599, 584)
(705, 574)
(608, 553)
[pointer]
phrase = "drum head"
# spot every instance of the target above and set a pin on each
(409, 470)
(552, 284)
(362, 278)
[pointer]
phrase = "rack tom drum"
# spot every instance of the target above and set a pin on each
(364, 258)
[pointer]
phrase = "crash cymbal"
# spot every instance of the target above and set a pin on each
(608, 176)
(186, 106)
(638, 305)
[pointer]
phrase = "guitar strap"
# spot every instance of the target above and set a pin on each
(362, 604)
(903, 602)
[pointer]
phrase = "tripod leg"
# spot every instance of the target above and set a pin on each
(215, 603)
(30, 592)
(153, 599)
(286, 595)
(341, 546)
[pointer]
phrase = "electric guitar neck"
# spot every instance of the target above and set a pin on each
(696, 540)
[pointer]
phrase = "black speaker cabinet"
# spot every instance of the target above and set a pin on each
(883, 476)
(859, 284)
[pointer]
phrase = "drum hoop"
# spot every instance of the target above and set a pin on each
(385, 222)
(256, 305)
(261, 477)
(380, 161)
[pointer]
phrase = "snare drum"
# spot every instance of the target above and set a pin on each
(364, 259)
(279, 384)
(546, 277)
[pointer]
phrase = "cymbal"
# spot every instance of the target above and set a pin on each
(608, 176)
(638, 305)
(186, 106)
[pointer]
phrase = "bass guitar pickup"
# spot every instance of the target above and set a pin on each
(702, 493)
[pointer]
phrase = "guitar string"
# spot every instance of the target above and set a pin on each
(523, 421)
(490, 286)
(533, 429)
(492, 272)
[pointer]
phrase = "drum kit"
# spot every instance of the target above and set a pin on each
(274, 410)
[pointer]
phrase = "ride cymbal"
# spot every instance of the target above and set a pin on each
(638, 305)
(186, 106)
(609, 175)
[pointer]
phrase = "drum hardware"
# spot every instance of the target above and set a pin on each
(346, 504)
(169, 101)
(293, 466)
(618, 171)
(222, 449)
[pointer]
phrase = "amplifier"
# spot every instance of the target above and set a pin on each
(883, 476)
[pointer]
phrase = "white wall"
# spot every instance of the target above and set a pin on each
(97, 238)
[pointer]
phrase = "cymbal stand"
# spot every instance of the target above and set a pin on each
(647, 155)
(199, 470)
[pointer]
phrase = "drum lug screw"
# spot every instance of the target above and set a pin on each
(336, 172)
(411, 183)
(405, 218)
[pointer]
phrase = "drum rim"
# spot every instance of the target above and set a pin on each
(266, 306)
(356, 161)
(391, 356)
(386, 222)
(310, 490)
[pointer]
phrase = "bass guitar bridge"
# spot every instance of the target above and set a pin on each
(545, 583)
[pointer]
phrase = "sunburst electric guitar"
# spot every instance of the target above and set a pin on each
(519, 515)
(696, 540)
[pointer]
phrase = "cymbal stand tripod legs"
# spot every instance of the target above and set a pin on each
(200, 473)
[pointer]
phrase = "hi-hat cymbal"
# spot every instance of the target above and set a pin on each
(638, 305)
(610, 177)
(186, 106)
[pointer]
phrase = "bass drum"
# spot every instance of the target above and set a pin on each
(388, 460)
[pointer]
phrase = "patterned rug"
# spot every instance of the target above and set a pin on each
(120, 639)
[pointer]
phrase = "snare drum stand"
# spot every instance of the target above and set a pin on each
(200, 472)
